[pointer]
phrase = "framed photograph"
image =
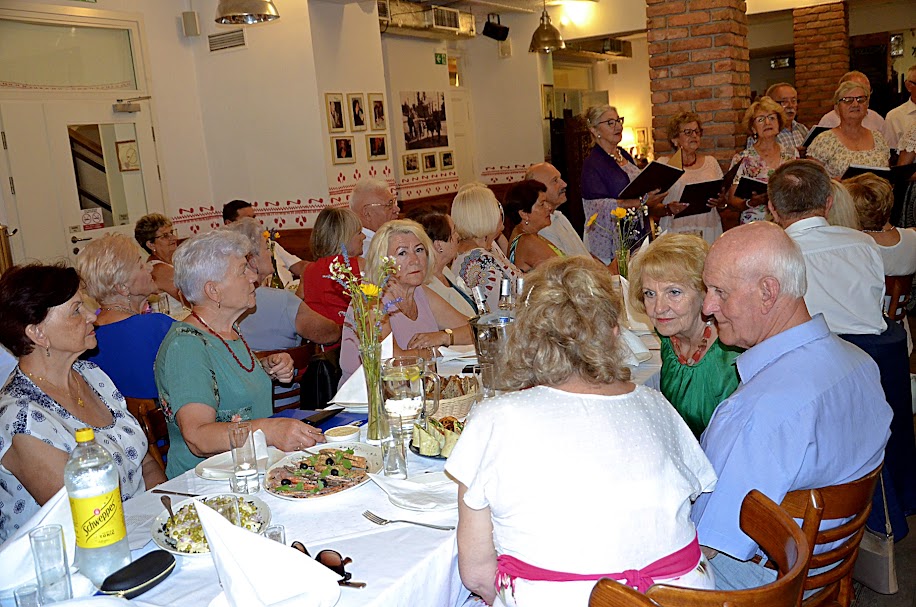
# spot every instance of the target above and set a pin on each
(334, 106)
(128, 155)
(423, 119)
(429, 162)
(446, 160)
(377, 146)
(642, 135)
(377, 112)
(342, 150)
(357, 108)
(411, 163)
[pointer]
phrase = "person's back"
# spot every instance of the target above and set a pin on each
(127, 351)
(272, 324)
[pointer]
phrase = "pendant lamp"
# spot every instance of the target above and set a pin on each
(245, 12)
(546, 37)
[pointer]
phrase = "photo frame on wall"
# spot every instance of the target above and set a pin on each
(411, 163)
(128, 155)
(430, 163)
(356, 106)
(377, 117)
(446, 160)
(343, 150)
(642, 135)
(334, 108)
(377, 146)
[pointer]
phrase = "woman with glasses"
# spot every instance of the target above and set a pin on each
(606, 171)
(685, 131)
(764, 120)
(154, 232)
(850, 143)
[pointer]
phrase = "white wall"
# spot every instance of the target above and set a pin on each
(587, 19)
(628, 89)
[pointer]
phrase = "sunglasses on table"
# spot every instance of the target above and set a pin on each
(333, 561)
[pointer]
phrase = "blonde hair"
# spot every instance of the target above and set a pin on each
(107, 262)
(846, 86)
(565, 327)
(764, 104)
(673, 257)
(476, 212)
(843, 211)
(333, 229)
(873, 197)
(379, 247)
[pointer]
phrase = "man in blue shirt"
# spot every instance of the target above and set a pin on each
(810, 410)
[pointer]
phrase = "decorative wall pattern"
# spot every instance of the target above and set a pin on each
(420, 186)
(505, 173)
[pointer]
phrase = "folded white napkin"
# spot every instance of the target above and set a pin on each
(255, 571)
(354, 389)
(635, 351)
(220, 467)
(457, 353)
(638, 321)
(433, 491)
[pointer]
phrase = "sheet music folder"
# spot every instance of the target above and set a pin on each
(656, 176)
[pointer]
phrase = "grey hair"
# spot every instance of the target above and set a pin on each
(595, 112)
(787, 265)
(205, 258)
(251, 229)
(847, 86)
(363, 191)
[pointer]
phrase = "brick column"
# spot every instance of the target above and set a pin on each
(698, 60)
(821, 36)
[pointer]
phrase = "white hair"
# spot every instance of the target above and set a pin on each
(251, 229)
(205, 258)
(787, 265)
(364, 190)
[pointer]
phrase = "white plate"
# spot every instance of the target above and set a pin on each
(160, 537)
(355, 407)
(372, 454)
(219, 467)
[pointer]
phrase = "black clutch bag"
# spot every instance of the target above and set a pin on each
(141, 575)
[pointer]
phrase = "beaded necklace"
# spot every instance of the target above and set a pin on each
(225, 343)
(695, 358)
(118, 308)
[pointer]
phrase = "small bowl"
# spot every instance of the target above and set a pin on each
(342, 434)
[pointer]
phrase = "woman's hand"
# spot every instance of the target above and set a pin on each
(758, 199)
(279, 366)
(289, 434)
(428, 340)
(721, 201)
(629, 203)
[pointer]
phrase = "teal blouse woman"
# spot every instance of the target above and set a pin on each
(698, 372)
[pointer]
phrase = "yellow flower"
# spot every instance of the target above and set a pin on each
(591, 220)
(619, 213)
(369, 289)
(266, 233)
(276, 235)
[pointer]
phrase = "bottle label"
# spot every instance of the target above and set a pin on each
(98, 520)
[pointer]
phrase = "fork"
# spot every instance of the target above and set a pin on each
(383, 521)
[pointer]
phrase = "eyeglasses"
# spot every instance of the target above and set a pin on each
(858, 99)
(170, 234)
(787, 101)
(767, 118)
(610, 122)
(691, 132)
(333, 561)
(389, 204)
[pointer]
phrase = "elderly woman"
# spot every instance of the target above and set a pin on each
(606, 171)
(479, 220)
(335, 230)
(419, 319)
(205, 371)
(874, 198)
(118, 277)
(527, 208)
(572, 390)
(764, 120)
(698, 372)
(843, 210)
(154, 232)
(442, 233)
(51, 394)
(685, 131)
(850, 143)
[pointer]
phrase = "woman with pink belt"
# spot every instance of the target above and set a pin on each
(577, 474)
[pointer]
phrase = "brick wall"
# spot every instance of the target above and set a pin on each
(698, 61)
(821, 37)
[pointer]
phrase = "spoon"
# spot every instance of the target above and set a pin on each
(167, 502)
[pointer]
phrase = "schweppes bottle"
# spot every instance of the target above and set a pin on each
(93, 485)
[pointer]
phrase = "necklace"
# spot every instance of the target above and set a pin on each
(686, 164)
(225, 343)
(78, 399)
(695, 358)
(118, 308)
(887, 229)
(618, 156)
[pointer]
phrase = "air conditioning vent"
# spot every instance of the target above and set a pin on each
(383, 13)
(227, 40)
(444, 18)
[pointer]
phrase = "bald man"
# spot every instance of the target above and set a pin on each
(872, 120)
(810, 411)
(560, 232)
(374, 204)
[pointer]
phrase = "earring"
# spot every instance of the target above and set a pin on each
(526, 222)
(218, 305)
(48, 351)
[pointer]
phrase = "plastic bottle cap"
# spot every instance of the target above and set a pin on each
(84, 435)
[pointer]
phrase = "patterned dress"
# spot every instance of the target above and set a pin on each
(25, 409)
(836, 157)
(485, 268)
(754, 166)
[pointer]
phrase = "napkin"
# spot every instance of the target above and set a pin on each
(433, 491)
(354, 389)
(634, 350)
(260, 449)
(457, 353)
(220, 467)
(255, 571)
(638, 321)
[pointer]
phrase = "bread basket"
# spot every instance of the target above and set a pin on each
(458, 406)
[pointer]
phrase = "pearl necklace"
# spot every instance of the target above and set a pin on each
(118, 308)
(887, 229)
(695, 358)
(225, 343)
(78, 399)
(618, 156)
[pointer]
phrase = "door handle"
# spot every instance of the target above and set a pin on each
(75, 240)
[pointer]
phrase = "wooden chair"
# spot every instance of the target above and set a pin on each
(301, 356)
(152, 420)
(840, 502)
(611, 593)
(777, 535)
(897, 296)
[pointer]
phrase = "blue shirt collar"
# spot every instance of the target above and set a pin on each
(770, 350)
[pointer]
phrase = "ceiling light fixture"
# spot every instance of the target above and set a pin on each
(245, 12)
(546, 37)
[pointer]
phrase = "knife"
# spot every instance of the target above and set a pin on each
(174, 493)
(320, 416)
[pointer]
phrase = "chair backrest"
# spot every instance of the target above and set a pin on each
(897, 295)
(301, 356)
(850, 500)
(780, 538)
(611, 593)
(152, 420)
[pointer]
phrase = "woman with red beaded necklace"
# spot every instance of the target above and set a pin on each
(206, 373)
(698, 372)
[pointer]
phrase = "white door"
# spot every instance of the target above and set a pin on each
(461, 135)
(79, 170)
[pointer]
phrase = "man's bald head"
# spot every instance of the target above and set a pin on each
(548, 174)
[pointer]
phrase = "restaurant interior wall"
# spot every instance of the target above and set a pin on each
(628, 89)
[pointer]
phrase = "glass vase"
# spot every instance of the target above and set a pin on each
(371, 355)
(623, 262)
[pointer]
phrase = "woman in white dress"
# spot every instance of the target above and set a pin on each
(579, 474)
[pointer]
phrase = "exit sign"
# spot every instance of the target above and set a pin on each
(440, 58)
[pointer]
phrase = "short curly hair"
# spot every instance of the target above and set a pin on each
(27, 294)
(147, 226)
(566, 322)
(847, 86)
(764, 104)
(672, 257)
(873, 197)
(679, 120)
(106, 263)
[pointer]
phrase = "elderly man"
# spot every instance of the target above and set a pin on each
(289, 266)
(903, 116)
(793, 133)
(873, 119)
(374, 204)
(845, 272)
(810, 411)
(560, 232)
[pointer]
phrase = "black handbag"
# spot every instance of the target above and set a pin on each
(319, 382)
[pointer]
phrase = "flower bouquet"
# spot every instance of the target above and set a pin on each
(627, 233)
(272, 238)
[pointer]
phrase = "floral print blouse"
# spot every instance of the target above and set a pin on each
(754, 166)
(836, 157)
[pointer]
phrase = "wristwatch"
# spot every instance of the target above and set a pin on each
(451, 336)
